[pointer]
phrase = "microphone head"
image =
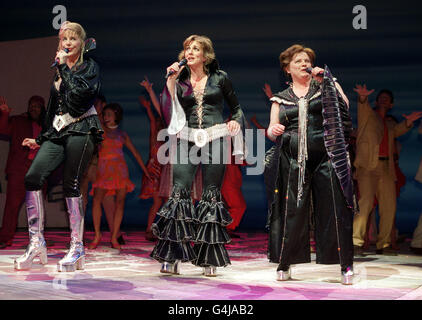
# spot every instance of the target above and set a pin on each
(183, 62)
(308, 70)
(66, 50)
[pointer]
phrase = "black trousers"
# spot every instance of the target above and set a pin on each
(74, 150)
(180, 223)
(322, 195)
(210, 157)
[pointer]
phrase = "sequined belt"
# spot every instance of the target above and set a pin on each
(202, 136)
(63, 120)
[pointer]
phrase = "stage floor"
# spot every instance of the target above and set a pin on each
(130, 274)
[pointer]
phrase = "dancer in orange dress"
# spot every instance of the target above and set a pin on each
(151, 188)
(112, 172)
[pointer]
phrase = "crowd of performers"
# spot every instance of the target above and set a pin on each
(198, 204)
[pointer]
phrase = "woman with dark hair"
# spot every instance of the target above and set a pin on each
(309, 169)
(192, 106)
(70, 133)
(112, 172)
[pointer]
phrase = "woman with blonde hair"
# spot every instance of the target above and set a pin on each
(192, 106)
(70, 134)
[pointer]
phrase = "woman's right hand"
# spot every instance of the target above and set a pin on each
(30, 143)
(174, 67)
(276, 129)
(172, 79)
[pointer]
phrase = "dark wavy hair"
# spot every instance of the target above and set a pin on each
(386, 91)
(117, 109)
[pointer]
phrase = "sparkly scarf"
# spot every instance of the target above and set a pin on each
(302, 155)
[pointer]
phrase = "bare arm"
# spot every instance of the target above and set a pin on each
(128, 143)
(343, 95)
(275, 128)
(148, 87)
(5, 127)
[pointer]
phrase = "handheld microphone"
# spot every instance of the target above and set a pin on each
(55, 63)
(320, 74)
(181, 64)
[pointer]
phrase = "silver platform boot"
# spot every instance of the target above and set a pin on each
(210, 271)
(173, 268)
(75, 257)
(347, 276)
(36, 247)
(284, 275)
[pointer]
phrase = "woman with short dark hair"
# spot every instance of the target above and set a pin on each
(309, 168)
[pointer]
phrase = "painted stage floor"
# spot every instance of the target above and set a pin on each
(130, 274)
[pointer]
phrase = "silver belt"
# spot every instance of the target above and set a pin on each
(202, 136)
(62, 121)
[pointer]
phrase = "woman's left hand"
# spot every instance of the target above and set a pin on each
(233, 127)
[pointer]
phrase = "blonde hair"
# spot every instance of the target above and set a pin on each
(206, 45)
(72, 28)
(287, 55)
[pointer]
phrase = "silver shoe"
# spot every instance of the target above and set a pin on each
(284, 275)
(75, 257)
(347, 276)
(37, 246)
(210, 271)
(173, 268)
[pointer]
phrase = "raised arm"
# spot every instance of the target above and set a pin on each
(267, 90)
(148, 87)
(256, 123)
(5, 125)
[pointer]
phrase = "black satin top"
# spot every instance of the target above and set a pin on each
(218, 89)
(289, 117)
(76, 95)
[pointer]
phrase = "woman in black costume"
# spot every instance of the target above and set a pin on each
(309, 168)
(192, 105)
(70, 133)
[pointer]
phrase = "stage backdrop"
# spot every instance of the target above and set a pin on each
(137, 38)
(25, 72)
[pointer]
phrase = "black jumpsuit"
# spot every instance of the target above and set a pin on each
(179, 221)
(322, 194)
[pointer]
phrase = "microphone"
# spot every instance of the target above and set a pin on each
(55, 63)
(320, 74)
(181, 64)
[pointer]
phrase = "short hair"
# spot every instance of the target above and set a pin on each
(386, 91)
(287, 55)
(206, 45)
(37, 99)
(117, 109)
